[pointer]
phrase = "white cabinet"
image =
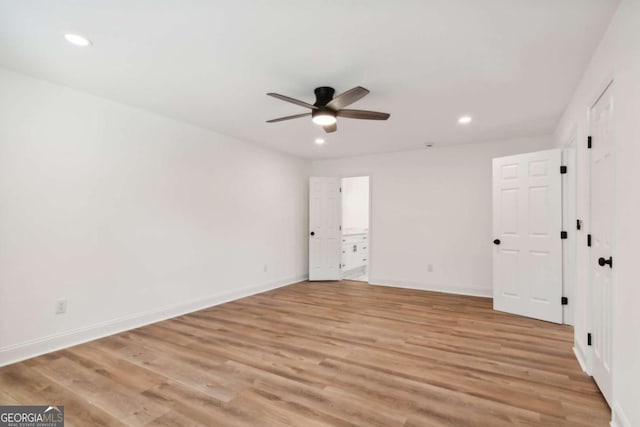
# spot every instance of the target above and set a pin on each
(355, 251)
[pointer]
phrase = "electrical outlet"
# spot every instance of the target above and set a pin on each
(61, 306)
(430, 268)
(266, 268)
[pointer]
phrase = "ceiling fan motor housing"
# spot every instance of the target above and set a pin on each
(324, 95)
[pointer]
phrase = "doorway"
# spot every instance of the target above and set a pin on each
(355, 228)
(339, 233)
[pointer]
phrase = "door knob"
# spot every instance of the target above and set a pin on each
(602, 262)
(313, 233)
(496, 242)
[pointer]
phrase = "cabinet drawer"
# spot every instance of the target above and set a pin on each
(355, 238)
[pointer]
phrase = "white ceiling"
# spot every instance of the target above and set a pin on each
(511, 64)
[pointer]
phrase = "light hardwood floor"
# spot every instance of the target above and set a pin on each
(317, 354)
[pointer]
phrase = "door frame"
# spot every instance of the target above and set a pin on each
(370, 259)
(607, 84)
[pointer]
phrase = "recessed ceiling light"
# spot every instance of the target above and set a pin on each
(77, 40)
(464, 120)
(319, 141)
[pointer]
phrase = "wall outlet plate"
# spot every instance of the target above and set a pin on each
(61, 306)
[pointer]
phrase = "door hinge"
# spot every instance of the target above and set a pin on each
(578, 224)
(589, 240)
(340, 228)
(563, 169)
(589, 338)
(341, 189)
(602, 262)
(563, 235)
(564, 301)
(589, 142)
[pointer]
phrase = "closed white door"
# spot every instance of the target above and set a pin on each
(325, 235)
(569, 217)
(601, 261)
(527, 221)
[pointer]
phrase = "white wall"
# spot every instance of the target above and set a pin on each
(617, 58)
(432, 207)
(131, 216)
(355, 203)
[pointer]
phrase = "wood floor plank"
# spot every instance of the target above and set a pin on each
(321, 354)
(27, 387)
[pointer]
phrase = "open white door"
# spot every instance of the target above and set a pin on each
(527, 221)
(325, 235)
(601, 261)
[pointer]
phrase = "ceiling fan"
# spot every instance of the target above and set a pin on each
(326, 109)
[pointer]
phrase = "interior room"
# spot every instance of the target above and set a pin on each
(364, 213)
(355, 228)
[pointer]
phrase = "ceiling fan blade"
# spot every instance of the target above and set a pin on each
(297, 116)
(347, 98)
(330, 128)
(292, 100)
(363, 114)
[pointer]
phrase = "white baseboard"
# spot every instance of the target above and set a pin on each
(618, 418)
(26, 350)
(457, 290)
(581, 355)
(581, 360)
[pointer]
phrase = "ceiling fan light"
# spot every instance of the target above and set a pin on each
(323, 118)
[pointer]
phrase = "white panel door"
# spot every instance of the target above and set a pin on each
(527, 221)
(325, 235)
(602, 199)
